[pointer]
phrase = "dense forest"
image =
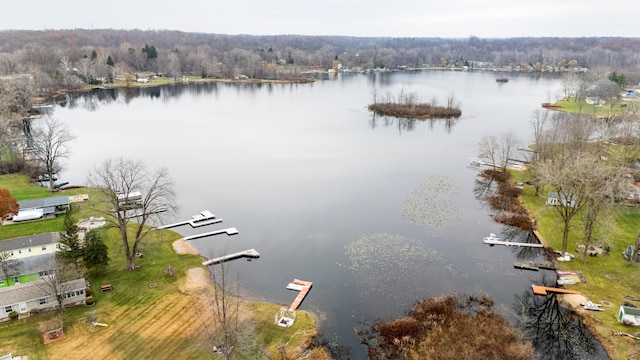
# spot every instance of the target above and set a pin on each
(72, 58)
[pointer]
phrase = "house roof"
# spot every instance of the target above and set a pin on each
(15, 294)
(44, 202)
(37, 263)
(26, 241)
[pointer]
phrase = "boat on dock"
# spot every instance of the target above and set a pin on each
(492, 239)
(249, 254)
(205, 217)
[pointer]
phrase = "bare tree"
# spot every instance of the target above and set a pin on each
(225, 306)
(488, 149)
(571, 175)
(56, 279)
(507, 147)
(49, 143)
(138, 200)
(602, 185)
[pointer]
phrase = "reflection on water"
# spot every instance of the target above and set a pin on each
(303, 176)
(556, 331)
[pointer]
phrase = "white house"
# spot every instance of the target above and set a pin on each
(38, 295)
(27, 285)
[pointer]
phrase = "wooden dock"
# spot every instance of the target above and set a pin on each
(228, 231)
(540, 238)
(510, 243)
(303, 287)
(545, 290)
(251, 254)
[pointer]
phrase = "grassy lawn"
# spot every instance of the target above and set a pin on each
(609, 277)
(571, 106)
(22, 189)
(163, 321)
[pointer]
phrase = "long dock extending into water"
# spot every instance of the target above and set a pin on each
(251, 254)
(228, 231)
(492, 242)
(303, 287)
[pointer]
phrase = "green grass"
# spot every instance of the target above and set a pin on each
(22, 189)
(609, 277)
(132, 304)
(571, 106)
(270, 335)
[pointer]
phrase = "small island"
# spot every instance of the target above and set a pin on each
(407, 107)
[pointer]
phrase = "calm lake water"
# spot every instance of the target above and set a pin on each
(377, 213)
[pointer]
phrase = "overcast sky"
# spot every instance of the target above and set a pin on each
(395, 18)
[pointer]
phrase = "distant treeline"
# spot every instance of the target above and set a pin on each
(68, 58)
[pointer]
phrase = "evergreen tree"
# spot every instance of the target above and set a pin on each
(96, 252)
(71, 249)
(110, 61)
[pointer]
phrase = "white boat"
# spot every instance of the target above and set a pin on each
(491, 237)
(26, 215)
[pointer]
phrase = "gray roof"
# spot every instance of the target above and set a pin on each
(44, 202)
(35, 264)
(15, 294)
(33, 240)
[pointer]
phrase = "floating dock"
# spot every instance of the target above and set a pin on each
(251, 254)
(203, 218)
(545, 290)
(228, 231)
(303, 287)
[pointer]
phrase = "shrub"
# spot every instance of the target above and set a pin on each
(13, 315)
(88, 292)
(90, 301)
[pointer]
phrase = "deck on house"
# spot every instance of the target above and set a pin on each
(545, 290)
(303, 287)
(228, 231)
(250, 254)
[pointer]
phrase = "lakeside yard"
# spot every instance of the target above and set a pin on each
(609, 276)
(148, 314)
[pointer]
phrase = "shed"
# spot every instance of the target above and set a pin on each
(563, 198)
(629, 315)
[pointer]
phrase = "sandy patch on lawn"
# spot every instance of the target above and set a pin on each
(182, 247)
(574, 300)
(197, 279)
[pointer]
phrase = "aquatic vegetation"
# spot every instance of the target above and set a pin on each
(431, 204)
(387, 263)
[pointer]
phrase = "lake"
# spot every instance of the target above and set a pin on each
(377, 213)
